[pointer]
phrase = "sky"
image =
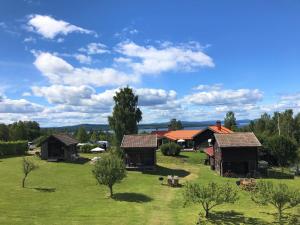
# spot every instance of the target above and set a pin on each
(61, 62)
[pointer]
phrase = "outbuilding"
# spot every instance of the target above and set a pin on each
(59, 147)
(234, 153)
(140, 150)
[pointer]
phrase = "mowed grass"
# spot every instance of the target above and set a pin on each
(67, 193)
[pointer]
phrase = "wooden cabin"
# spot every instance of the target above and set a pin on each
(235, 153)
(140, 150)
(59, 147)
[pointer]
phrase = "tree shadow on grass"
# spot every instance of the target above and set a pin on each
(43, 189)
(132, 197)
(165, 171)
(232, 218)
(80, 160)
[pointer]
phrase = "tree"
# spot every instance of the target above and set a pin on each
(94, 137)
(82, 135)
(230, 121)
(18, 131)
(4, 132)
(126, 115)
(209, 196)
(28, 166)
(175, 125)
(170, 149)
(280, 196)
(110, 169)
(284, 149)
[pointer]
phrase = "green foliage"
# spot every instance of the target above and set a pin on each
(38, 141)
(280, 196)
(175, 125)
(209, 196)
(126, 115)
(28, 166)
(13, 148)
(81, 135)
(110, 169)
(284, 149)
(170, 149)
(94, 137)
(230, 121)
(87, 148)
(4, 132)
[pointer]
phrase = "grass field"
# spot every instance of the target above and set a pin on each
(66, 193)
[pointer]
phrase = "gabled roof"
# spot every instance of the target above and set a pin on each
(221, 130)
(160, 133)
(237, 139)
(182, 134)
(64, 138)
(139, 141)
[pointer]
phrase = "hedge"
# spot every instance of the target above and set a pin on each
(171, 149)
(13, 148)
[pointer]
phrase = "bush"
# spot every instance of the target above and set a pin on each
(13, 148)
(171, 149)
(87, 148)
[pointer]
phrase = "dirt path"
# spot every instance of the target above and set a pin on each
(161, 213)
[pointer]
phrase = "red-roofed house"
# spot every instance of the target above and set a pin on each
(160, 135)
(187, 138)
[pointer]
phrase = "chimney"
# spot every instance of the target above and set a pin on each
(218, 124)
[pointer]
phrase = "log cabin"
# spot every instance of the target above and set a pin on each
(140, 151)
(235, 153)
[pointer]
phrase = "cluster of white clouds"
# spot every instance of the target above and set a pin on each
(84, 94)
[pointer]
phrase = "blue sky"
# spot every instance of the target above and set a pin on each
(61, 63)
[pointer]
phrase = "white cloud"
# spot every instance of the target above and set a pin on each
(18, 106)
(85, 59)
(94, 48)
(26, 94)
(225, 97)
(29, 39)
(49, 27)
(205, 87)
(58, 71)
(151, 97)
(152, 60)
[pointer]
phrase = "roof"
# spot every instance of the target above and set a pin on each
(209, 151)
(223, 130)
(65, 138)
(139, 141)
(160, 133)
(237, 139)
(182, 134)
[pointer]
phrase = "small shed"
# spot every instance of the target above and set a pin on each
(140, 150)
(59, 147)
(235, 153)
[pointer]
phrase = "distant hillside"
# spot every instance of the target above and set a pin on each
(149, 126)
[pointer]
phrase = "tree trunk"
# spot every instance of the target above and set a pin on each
(280, 216)
(23, 181)
(206, 213)
(111, 191)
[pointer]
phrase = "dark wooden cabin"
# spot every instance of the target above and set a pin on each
(234, 153)
(59, 147)
(140, 150)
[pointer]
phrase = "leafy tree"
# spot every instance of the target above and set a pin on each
(126, 115)
(4, 132)
(94, 136)
(18, 131)
(280, 196)
(82, 135)
(284, 149)
(28, 166)
(171, 149)
(109, 170)
(175, 125)
(209, 196)
(230, 121)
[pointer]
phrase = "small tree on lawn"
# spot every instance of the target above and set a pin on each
(209, 196)
(280, 196)
(110, 169)
(28, 166)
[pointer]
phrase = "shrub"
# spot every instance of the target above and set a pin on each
(13, 148)
(28, 167)
(87, 148)
(171, 149)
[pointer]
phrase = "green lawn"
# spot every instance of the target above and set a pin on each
(66, 193)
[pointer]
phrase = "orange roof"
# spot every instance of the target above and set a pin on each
(182, 134)
(223, 130)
